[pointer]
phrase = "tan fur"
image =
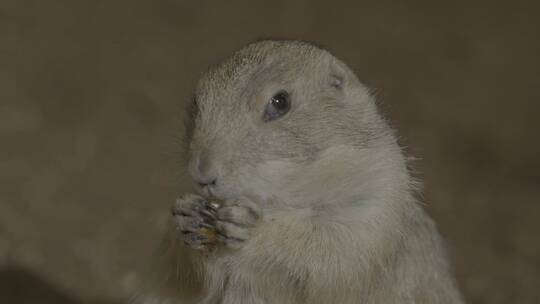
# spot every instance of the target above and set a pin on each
(339, 219)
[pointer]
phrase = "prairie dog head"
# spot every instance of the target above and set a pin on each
(287, 121)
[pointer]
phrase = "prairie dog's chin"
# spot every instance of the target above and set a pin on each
(216, 192)
(225, 190)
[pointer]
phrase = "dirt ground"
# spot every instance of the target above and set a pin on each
(91, 101)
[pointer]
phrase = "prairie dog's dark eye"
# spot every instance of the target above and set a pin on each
(278, 105)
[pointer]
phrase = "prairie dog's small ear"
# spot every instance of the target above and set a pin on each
(337, 74)
(336, 81)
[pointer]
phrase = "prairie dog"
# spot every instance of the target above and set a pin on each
(305, 195)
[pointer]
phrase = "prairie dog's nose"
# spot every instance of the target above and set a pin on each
(203, 169)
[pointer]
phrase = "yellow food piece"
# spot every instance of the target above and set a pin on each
(210, 233)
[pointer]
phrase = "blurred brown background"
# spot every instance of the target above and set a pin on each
(91, 101)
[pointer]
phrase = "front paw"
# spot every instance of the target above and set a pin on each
(194, 218)
(235, 220)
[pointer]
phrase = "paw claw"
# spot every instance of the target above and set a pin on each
(208, 214)
(206, 225)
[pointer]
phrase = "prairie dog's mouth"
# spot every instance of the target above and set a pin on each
(206, 190)
(213, 192)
